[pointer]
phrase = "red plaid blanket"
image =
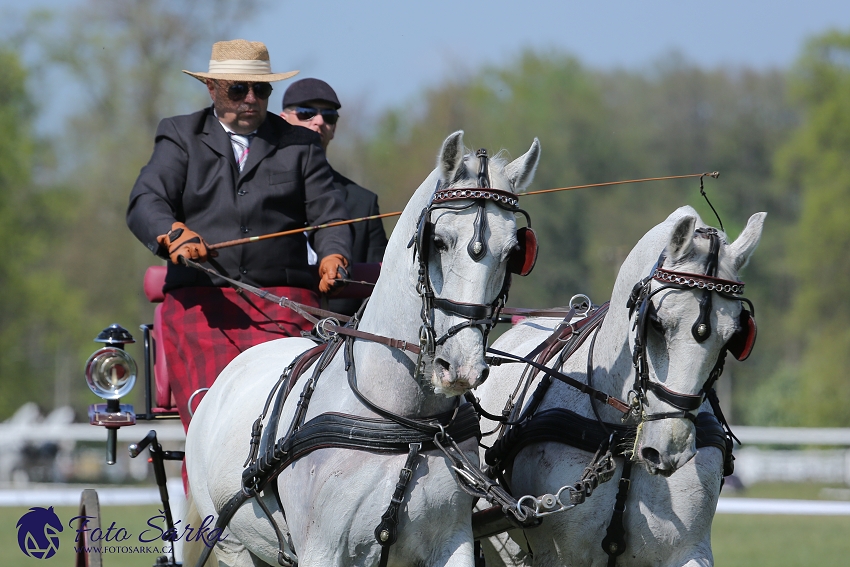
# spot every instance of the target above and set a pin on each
(207, 327)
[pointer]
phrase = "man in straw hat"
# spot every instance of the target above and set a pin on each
(229, 171)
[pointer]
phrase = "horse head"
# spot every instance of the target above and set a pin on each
(686, 314)
(466, 241)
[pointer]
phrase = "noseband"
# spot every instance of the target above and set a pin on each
(640, 298)
(482, 316)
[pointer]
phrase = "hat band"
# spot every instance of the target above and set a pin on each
(241, 66)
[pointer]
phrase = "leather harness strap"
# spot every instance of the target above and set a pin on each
(612, 401)
(525, 312)
(353, 432)
(561, 425)
(327, 326)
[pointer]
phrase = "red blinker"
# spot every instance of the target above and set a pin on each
(524, 257)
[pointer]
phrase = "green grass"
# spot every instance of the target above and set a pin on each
(780, 541)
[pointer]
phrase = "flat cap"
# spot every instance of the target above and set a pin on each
(306, 90)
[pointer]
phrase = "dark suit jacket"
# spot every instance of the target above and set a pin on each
(370, 240)
(192, 177)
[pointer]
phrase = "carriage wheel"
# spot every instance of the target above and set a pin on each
(89, 506)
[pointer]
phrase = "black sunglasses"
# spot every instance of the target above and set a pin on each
(238, 91)
(305, 114)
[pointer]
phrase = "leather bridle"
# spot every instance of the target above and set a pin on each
(639, 301)
(479, 315)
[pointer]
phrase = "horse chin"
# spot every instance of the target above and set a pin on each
(449, 382)
(444, 383)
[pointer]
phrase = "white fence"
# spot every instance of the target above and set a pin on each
(755, 464)
(35, 448)
(758, 460)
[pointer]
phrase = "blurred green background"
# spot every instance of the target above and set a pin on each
(780, 138)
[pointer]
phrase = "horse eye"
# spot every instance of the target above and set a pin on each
(440, 244)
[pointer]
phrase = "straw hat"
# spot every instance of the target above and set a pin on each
(241, 60)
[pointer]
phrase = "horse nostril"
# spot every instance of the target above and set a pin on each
(484, 374)
(651, 455)
(444, 366)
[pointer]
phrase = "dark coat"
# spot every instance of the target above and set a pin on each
(192, 177)
(370, 240)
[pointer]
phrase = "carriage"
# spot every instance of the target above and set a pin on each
(423, 337)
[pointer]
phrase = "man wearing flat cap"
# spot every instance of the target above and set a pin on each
(231, 171)
(313, 104)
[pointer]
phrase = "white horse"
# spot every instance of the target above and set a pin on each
(333, 498)
(668, 516)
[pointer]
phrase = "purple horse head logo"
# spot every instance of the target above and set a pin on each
(38, 533)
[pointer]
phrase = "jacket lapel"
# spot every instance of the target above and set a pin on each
(214, 136)
(262, 145)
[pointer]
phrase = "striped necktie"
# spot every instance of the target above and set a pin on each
(241, 146)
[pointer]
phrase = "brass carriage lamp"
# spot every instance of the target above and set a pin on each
(110, 374)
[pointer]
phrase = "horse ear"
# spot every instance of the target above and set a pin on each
(746, 243)
(451, 156)
(682, 238)
(520, 172)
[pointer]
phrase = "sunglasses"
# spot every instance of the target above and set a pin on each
(305, 114)
(238, 91)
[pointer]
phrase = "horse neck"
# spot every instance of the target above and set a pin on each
(394, 310)
(612, 356)
(394, 307)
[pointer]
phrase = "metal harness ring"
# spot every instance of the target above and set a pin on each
(192, 397)
(326, 334)
(574, 304)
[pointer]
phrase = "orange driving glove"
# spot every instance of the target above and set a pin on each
(182, 241)
(332, 267)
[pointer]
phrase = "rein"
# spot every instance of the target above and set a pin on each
(307, 311)
(247, 240)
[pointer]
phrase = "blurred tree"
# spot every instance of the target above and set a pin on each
(34, 302)
(601, 126)
(547, 96)
(672, 118)
(815, 164)
(122, 59)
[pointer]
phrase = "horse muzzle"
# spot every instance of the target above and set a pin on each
(455, 380)
(665, 446)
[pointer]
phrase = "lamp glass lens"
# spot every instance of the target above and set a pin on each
(111, 373)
